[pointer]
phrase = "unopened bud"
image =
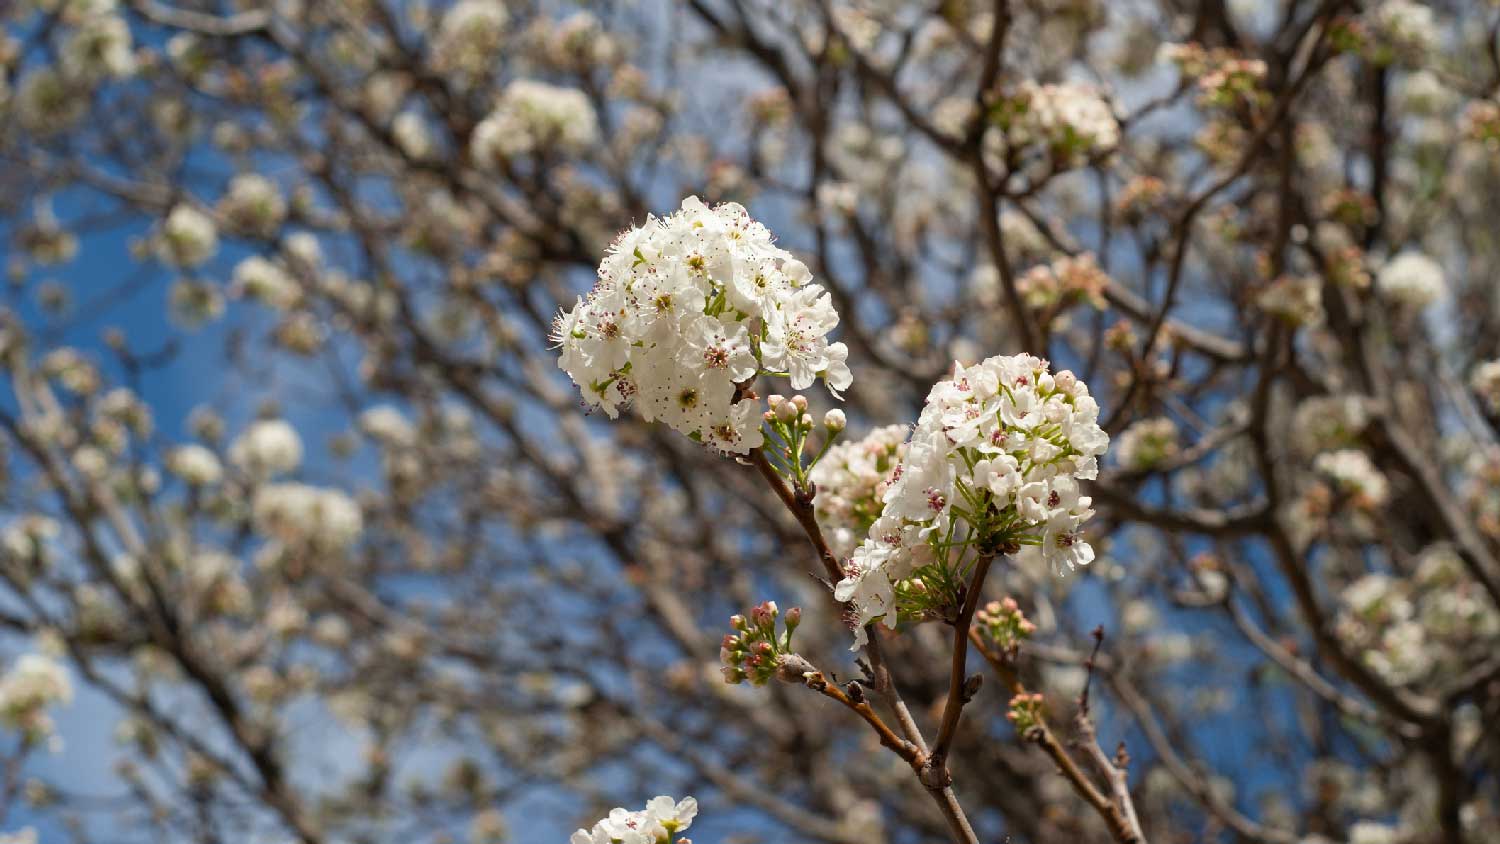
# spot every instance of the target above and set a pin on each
(786, 411)
(801, 402)
(835, 420)
(793, 618)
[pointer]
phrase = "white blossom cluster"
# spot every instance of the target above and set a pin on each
(34, 683)
(1408, 628)
(253, 204)
(1485, 382)
(1296, 300)
(1353, 474)
(993, 465)
(469, 34)
(299, 516)
(264, 280)
(1322, 423)
(1147, 444)
(98, 45)
(268, 447)
(1073, 121)
(187, 238)
(686, 308)
(534, 117)
(851, 479)
(1411, 280)
(194, 464)
(1402, 30)
(662, 818)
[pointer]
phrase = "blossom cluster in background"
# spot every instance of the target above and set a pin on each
(851, 479)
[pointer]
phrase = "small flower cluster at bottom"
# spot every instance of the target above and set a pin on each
(662, 818)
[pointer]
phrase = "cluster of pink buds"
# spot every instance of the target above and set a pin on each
(1005, 625)
(1025, 712)
(755, 651)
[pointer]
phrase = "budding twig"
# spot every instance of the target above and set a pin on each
(913, 749)
(936, 771)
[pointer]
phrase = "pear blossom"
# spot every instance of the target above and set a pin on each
(194, 464)
(1485, 382)
(253, 204)
(469, 34)
(34, 683)
(299, 515)
(662, 819)
(1071, 120)
(188, 238)
(689, 308)
(1354, 474)
(1147, 444)
(1321, 423)
(100, 46)
(851, 479)
(534, 117)
(268, 447)
(265, 281)
(993, 465)
(1411, 280)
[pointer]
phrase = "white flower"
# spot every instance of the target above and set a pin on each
(469, 35)
(659, 823)
(194, 464)
(410, 132)
(46, 101)
(1295, 300)
(1411, 280)
(264, 281)
(298, 515)
(388, 426)
(188, 238)
(850, 480)
(1369, 832)
(1406, 30)
(687, 308)
(1353, 474)
(535, 117)
(992, 465)
(253, 204)
(34, 683)
(1327, 422)
(1073, 121)
(268, 447)
(98, 47)
(1147, 444)
(1485, 382)
(796, 335)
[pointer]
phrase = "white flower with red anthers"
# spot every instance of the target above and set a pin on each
(993, 465)
(687, 310)
(662, 818)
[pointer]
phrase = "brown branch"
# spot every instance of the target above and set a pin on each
(961, 689)
(799, 503)
(1042, 736)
